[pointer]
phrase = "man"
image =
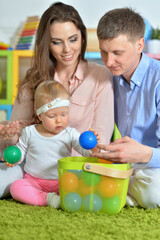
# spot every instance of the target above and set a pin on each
(137, 103)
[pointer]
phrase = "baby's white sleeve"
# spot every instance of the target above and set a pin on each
(23, 144)
(76, 145)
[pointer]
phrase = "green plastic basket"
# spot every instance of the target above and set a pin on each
(87, 185)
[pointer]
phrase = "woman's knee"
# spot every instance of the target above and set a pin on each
(7, 177)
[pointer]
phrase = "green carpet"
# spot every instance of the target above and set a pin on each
(24, 222)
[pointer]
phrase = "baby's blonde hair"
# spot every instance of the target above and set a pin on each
(47, 91)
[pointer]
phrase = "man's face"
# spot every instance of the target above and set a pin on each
(120, 55)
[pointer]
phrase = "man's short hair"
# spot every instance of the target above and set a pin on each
(121, 21)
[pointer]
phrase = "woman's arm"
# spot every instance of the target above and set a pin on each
(22, 116)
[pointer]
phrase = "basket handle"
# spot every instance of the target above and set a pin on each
(110, 172)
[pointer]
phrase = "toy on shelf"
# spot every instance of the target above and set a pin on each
(1, 85)
(148, 30)
(5, 77)
(12, 154)
(26, 39)
(4, 46)
(88, 140)
(5, 112)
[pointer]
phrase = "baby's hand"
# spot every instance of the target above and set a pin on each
(95, 150)
(8, 164)
(96, 134)
(9, 131)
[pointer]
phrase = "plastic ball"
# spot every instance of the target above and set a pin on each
(12, 154)
(69, 182)
(108, 187)
(121, 187)
(72, 202)
(88, 140)
(91, 179)
(78, 173)
(112, 205)
(83, 188)
(92, 203)
(100, 160)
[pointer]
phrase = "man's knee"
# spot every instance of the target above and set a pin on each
(144, 188)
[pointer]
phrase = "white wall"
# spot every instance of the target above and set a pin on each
(13, 13)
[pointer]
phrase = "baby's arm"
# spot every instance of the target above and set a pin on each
(76, 145)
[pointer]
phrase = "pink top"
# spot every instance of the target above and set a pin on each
(91, 104)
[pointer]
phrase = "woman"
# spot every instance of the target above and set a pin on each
(59, 54)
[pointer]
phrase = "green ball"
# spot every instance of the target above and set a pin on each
(90, 178)
(12, 154)
(112, 205)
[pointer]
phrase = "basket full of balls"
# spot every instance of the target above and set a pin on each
(87, 184)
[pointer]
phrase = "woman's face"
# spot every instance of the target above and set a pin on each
(65, 43)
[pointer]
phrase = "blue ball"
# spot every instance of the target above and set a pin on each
(88, 140)
(72, 202)
(92, 203)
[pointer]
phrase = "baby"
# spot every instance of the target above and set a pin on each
(43, 144)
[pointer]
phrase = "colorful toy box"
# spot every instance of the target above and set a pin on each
(88, 185)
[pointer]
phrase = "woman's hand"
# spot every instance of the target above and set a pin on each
(9, 131)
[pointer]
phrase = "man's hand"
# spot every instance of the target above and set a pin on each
(125, 150)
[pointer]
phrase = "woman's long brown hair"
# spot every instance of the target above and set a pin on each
(43, 62)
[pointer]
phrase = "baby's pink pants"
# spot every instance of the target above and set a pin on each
(33, 191)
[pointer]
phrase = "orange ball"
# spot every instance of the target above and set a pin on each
(100, 160)
(69, 182)
(83, 188)
(108, 187)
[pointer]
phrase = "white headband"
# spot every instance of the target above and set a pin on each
(58, 102)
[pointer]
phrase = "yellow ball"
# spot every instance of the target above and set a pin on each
(69, 182)
(100, 160)
(83, 188)
(108, 187)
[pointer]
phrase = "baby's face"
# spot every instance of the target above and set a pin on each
(55, 120)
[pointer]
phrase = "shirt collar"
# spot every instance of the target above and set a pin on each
(79, 73)
(138, 74)
(140, 71)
